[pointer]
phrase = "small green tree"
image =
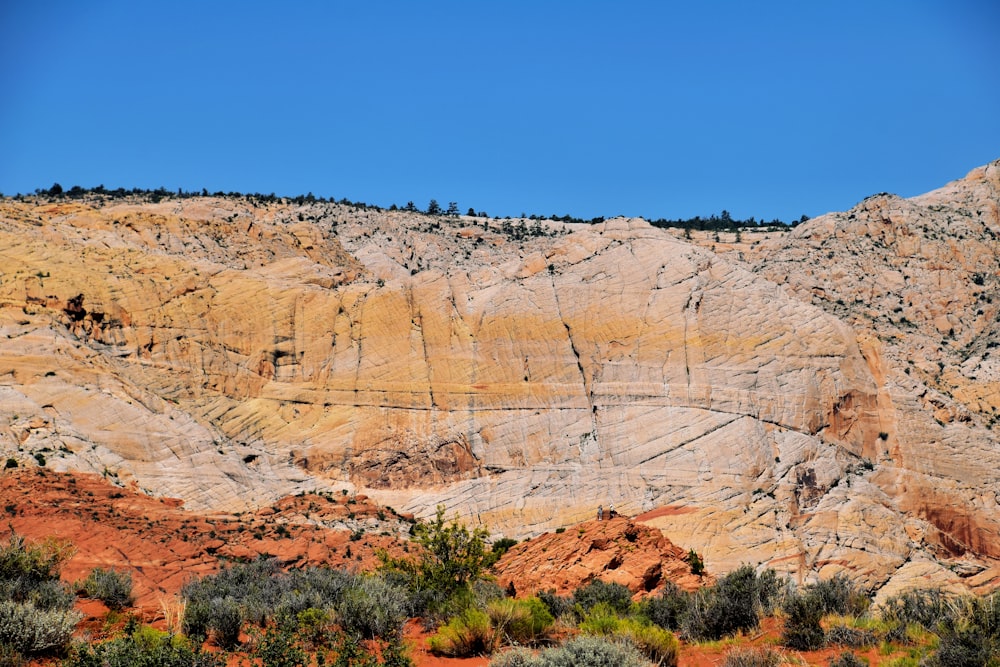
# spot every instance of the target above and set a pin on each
(433, 208)
(451, 558)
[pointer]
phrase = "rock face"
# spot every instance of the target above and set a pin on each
(229, 351)
(614, 551)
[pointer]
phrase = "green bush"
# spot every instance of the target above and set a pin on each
(558, 605)
(36, 615)
(968, 647)
(839, 595)
(111, 587)
(373, 607)
(313, 627)
(277, 648)
(615, 595)
(470, 633)
(144, 648)
(602, 619)
(522, 622)
(667, 609)
(657, 644)
(197, 615)
(451, 557)
(803, 612)
(33, 631)
(32, 563)
(225, 622)
(734, 604)
(752, 656)
(970, 634)
(847, 659)
(924, 607)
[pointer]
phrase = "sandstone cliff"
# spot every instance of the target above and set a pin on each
(231, 351)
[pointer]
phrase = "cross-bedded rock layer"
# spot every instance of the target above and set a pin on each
(231, 351)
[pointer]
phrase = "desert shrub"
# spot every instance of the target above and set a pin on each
(844, 635)
(516, 657)
(31, 564)
(591, 651)
(970, 634)
(194, 624)
(144, 648)
(225, 621)
(839, 595)
(602, 619)
(32, 631)
(370, 606)
(732, 605)
(111, 587)
(10, 657)
(614, 595)
(667, 609)
(657, 644)
(313, 626)
(968, 647)
(500, 547)
(373, 607)
(520, 621)
(277, 648)
(803, 613)
(924, 607)
(470, 633)
(847, 659)
(558, 605)
(452, 557)
(752, 656)
(47, 594)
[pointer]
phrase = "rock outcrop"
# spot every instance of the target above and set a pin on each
(614, 551)
(230, 351)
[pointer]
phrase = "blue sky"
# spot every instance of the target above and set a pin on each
(660, 109)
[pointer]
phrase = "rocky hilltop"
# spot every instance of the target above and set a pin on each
(232, 350)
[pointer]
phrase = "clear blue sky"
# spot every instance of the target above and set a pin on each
(770, 109)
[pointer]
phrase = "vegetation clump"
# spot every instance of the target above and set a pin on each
(110, 586)
(36, 609)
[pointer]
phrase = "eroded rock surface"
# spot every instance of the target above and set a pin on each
(229, 351)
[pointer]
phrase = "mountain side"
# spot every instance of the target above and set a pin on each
(230, 351)
(919, 278)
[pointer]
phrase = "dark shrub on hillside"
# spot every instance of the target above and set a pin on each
(225, 621)
(111, 587)
(616, 596)
(803, 612)
(557, 604)
(839, 595)
(667, 609)
(924, 607)
(966, 648)
(734, 604)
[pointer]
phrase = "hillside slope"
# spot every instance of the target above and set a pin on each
(230, 351)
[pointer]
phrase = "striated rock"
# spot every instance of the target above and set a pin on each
(230, 352)
(917, 278)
